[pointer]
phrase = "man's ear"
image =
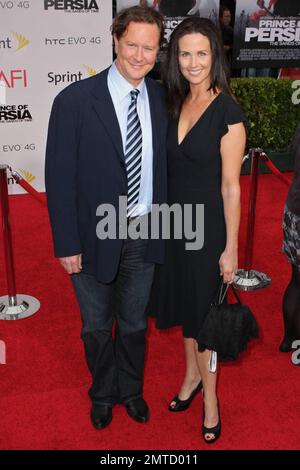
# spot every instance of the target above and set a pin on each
(116, 44)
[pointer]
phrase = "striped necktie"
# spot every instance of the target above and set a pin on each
(133, 154)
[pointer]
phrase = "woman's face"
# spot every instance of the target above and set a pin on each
(195, 58)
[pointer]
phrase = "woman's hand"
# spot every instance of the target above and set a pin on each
(228, 265)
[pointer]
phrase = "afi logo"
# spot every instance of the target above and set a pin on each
(14, 75)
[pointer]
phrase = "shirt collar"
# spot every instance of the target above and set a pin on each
(122, 86)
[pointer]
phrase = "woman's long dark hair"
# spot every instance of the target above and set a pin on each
(176, 85)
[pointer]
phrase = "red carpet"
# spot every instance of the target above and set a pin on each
(43, 392)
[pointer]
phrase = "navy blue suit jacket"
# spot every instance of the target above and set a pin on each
(85, 168)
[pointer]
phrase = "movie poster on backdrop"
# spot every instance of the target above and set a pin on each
(267, 33)
(175, 11)
(45, 45)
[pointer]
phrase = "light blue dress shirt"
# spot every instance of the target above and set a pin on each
(120, 89)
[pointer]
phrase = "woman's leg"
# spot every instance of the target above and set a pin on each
(209, 380)
(192, 374)
(291, 311)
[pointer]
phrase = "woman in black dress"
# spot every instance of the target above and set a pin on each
(206, 141)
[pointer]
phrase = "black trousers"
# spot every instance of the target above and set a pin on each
(116, 362)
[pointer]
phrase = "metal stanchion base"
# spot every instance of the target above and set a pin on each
(251, 280)
(24, 307)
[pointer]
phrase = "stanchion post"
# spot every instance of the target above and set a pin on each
(8, 253)
(247, 279)
(13, 306)
(251, 208)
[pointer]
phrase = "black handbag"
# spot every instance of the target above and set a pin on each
(227, 328)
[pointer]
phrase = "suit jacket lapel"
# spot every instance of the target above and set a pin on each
(105, 110)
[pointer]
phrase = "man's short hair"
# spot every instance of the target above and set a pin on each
(222, 10)
(137, 14)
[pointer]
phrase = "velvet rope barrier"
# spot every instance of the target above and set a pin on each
(247, 278)
(274, 169)
(28, 188)
(13, 306)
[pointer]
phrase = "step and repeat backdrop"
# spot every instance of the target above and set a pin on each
(47, 44)
(44, 46)
(174, 12)
(267, 33)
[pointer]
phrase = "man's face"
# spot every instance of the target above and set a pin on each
(136, 51)
(226, 18)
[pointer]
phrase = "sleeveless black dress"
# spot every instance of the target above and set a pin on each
(185, 284)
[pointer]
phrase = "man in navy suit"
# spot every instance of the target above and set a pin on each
(106, 139)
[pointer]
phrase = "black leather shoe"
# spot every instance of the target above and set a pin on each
(101, 416)
(138, 410)
(182, 405)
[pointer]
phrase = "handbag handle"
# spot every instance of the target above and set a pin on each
(235, 294)
(223, 291)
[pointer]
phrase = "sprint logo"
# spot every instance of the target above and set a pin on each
(16, 43)
(29, 177)
(70, 77)
(22, 41)
(91, 72)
